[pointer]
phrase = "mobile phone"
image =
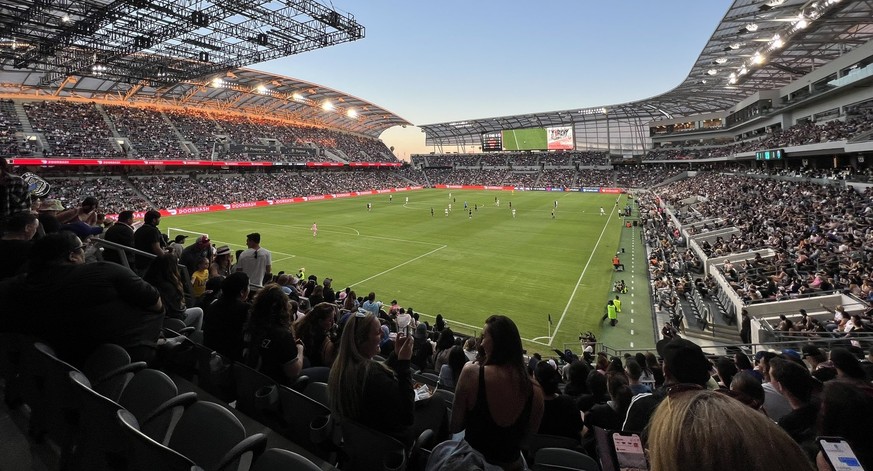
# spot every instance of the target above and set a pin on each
(627, 449)
(839, 454)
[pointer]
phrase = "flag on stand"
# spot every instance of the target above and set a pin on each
(550, 319)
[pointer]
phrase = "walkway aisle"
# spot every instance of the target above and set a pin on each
(634, 329)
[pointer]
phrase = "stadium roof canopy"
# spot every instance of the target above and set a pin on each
(765, 44)
(181, 52)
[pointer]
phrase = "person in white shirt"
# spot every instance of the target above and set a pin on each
(255, 261)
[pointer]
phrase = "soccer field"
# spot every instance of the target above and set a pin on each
(528, 267)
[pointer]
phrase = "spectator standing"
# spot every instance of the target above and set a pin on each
(148, 239)
(255, 261)
(121, 233)
(192, 254)
(269, 344)
(86, 212)
(224, 319)
(178, 245)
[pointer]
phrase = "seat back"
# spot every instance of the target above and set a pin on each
(205, 433)
(214, 373)
(276, 459)
(103, 360)
(146, 396)
(58, 414)
(256, 395)
(145, 454)
(301, 414)
(562, 459)
(365, 449)
(99, 442)
(318, 392)
(538, 441)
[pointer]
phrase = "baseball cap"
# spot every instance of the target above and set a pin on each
(180, 238)
(685, 361)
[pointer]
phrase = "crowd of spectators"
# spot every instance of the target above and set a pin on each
(72, 129)
(149, 134)
(803, 133)
(9, 125)
(115, 194)
(821, 234)
(80, 130)
(642, 176)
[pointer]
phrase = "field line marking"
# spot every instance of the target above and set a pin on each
(400, 265)
(576, 288)
(231, 244)
(283, 259)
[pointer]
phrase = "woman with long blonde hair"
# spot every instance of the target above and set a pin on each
(378, 395)
(694, 430)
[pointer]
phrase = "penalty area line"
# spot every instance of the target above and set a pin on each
(400, 265)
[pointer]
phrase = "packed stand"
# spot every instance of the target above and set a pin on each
(114, 194)
(147, 131)
(9, 125)
(643, 176)
(566, 178)
(467, 177)
(821, 238)
(72, 129)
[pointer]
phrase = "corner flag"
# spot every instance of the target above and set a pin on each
(550, 319)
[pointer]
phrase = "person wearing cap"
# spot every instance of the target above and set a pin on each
(848, 366)
(685, 367)
(86, 212)
(48, 211)
(76, 306)
(148, 239)
(221, 264)
(192, 254)
(255, 261)
(121, 233)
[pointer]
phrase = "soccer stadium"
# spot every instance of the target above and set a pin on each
(206, 265)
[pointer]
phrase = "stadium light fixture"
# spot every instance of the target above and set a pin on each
(66, 18)
(711, 72)
(327, 106)
(758, 59)
(735, 46)
(351, 113)
(261, 88)
(217, 82)
(721, 60)
(777, 42)
(752, 27)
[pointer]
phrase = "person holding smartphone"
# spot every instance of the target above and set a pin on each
(376, 394)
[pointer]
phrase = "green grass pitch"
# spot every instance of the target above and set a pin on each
(527, 267)
(525, 139)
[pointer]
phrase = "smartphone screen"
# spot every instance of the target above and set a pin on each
(839, 454)
(629, 453)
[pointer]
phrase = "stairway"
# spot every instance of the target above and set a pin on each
(22, 117)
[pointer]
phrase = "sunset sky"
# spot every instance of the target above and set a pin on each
(432, 62)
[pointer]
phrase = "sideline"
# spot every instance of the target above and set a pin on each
(576, 288)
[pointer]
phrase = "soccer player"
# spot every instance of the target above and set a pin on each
(407, 200)
(431, 212)
(471, 213)
(369, 207)
(513, 212)
(450, 206)
(602, 212)
(553, 213)
(447, 212)
(497, 202)
(390, 198)
(314, 229)
(556, 203)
